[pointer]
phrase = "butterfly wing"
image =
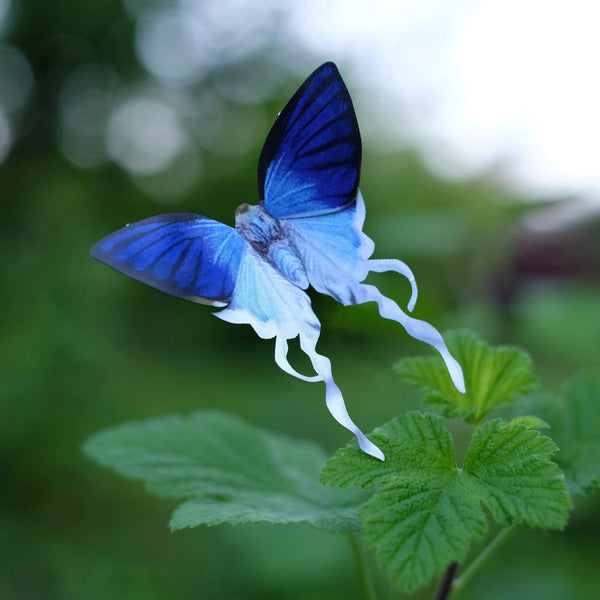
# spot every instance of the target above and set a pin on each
(333, 250)
(184, 255)
(310, 163)
(266, 300)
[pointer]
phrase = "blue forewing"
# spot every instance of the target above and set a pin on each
(310, 163)
(185, 255)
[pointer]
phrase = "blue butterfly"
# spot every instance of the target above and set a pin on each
(307, 230)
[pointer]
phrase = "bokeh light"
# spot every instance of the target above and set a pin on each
(16, 85)
(5, 136)
(174, 47)
(16, 79)
(5, 15)
(143, 135)
(85, 102)
(183, 43)
(177, 180)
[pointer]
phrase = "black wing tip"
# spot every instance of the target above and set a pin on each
(329, 69)
(331, 72)
(277, 130)
(327, 65)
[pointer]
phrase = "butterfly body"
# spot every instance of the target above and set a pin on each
(307, 230)
(268, 239)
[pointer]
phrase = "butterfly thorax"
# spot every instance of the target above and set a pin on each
(266, 236)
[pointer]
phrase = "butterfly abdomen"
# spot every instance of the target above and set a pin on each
(287, 263)
(268, 239)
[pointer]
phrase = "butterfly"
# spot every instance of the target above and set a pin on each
(305, 231)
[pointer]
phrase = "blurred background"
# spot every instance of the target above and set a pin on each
(480, 127)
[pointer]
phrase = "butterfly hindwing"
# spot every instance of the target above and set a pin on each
(333, 250)
(267, 300)
(310, 163)
(185, 255)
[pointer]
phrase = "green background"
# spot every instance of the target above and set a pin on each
(84, 348)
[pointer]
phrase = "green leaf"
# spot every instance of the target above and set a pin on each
(426, 512)
(413, 444)
(227, 471)
(577, 432)
(592, 487)
(419, 526)
(516, 478)
(531, 422)
(493, 377)
(574, 418)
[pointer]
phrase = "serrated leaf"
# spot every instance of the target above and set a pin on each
(493, 377)
(227, 470)
(518, 482)
(419, 526)
(426, 512)
(574, 419)
(426, 515)
(416, 442)
(271, 508)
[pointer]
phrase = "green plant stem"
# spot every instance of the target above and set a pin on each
(363, 573)
(464, 578)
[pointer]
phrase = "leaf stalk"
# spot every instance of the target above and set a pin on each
(477, 563)
(364, 576)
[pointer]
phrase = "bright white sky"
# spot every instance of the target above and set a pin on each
(512, 85)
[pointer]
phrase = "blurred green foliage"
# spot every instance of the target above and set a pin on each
(84, 348)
